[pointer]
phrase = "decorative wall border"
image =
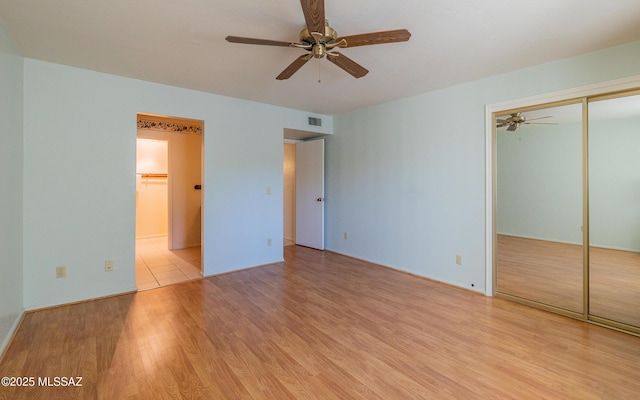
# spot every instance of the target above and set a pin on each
(151, 124)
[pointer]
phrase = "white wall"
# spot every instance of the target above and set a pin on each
(152, 155)
(79, 186)
(11, 172)
(406, 179)
(152, 193)
(152, 207)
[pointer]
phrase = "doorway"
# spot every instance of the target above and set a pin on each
(303, 197)
(168, 200)
(309, 218)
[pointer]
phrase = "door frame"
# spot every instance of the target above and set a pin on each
(176, 125)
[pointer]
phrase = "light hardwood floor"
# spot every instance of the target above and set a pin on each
(318, 326)
(551, 273)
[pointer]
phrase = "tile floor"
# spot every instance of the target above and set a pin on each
(157, 266)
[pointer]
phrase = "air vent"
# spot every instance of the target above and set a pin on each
(315, 121)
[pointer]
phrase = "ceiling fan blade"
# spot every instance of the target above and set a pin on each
(265, 42)
(512, 128)
(540, 123)
(347, 64)
(533, 119)
(502, 121)
(502, 125)
(314, 15)
(365, 39)
(294, 67)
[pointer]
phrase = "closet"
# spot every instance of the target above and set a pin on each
(567, 208)
(151, 188)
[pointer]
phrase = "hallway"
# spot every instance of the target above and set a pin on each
(156, 266)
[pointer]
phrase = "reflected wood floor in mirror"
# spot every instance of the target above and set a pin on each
(318, 326)
(551, 273)
(539, 270)
(614, 285)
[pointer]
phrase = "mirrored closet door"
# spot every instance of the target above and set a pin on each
(567, 208)
(539, 206)
(614, 210)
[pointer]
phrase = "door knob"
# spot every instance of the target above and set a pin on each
(197, 187)
(319, 199)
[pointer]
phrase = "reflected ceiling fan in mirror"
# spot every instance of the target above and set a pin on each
(320, 40)
(517, 119)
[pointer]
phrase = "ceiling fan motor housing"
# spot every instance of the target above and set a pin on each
(318, 40)
(328, 36)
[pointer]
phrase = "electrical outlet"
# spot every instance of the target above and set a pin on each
(346, 236)
(268, 190)
(108, 266)
(458, 259)
(269, 242)
(61, 272)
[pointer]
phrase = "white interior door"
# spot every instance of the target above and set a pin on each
(310, 194)
(185, 172)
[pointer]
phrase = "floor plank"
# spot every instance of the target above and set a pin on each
(318, 326)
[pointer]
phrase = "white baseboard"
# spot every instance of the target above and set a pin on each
(8, 328)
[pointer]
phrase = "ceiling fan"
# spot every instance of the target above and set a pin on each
(320, 40)
(517, 119)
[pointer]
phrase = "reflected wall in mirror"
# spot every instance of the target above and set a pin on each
(614, 209)
(539, 196)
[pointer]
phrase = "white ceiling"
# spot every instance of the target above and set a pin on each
(181, 43)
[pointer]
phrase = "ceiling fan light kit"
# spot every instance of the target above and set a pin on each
(320, 39)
